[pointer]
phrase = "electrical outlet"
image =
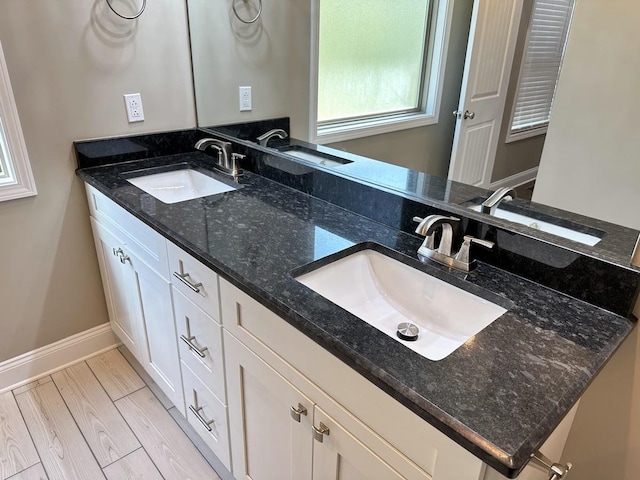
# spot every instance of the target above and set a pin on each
(245, 99)
(133, 104)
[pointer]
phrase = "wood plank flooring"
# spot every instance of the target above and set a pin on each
(94, 420)
(17, 451)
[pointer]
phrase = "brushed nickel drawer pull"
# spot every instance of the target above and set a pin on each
(196, 412)
(320, 432)
(118, 252)
(183, 278)
(296, 412)
(192, 346)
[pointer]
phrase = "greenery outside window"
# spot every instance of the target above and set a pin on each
(540, 68)
(379, 66)
(16, 179)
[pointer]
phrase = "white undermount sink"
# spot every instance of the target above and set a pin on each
(543, 226)
(179, 185)
(384, 293)
(314, 156)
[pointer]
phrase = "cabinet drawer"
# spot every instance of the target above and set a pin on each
(194, 280)
(198, 329)
(206, 415)
(142, 240)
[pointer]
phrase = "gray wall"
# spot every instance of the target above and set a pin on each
(590, 161)
(69, 63)
(590, 165)
(271, 56)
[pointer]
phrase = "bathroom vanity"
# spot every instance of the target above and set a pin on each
(281, 382)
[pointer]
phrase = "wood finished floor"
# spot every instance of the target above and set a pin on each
(94, 420)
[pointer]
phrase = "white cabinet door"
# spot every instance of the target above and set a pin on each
(160, 357)
(267, 442)
(140, 310)
(117, 281)
(345, 455)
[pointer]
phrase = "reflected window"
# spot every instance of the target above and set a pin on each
(544, 51)
(16, 179)
(378, 65)
(325, 243)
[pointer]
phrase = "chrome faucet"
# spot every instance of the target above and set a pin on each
(428, 226)
(227, 160)
(276, 132)
(502, 194)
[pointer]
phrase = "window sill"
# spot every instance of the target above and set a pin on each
(350, 131)
(13, 192)
(524, 134)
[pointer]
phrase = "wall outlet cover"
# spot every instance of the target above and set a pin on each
(245, 99)
(133, 105)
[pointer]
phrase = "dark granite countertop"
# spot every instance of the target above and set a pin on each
(499, 396)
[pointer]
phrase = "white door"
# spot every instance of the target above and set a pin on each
(492, 41)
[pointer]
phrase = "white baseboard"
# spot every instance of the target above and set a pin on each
(43, 361)
(516, 180)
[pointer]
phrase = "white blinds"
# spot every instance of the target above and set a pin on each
(546, 41)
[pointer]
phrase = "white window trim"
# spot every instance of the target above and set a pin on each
(21, 184)
(433, 95)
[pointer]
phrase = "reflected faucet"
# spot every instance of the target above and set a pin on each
(226, 158)
(490, 204)
(263, 139)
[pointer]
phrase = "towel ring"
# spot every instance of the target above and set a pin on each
(253, 20)
(133, 17)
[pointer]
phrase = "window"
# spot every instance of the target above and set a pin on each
(379, 64)
(546, 41)
(16, 179)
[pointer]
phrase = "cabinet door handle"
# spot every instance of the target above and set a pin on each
(183, 278)
(192, 346)
(118, 252)
(196, 412)
(296, 412)
(320, 432)
(555, 471)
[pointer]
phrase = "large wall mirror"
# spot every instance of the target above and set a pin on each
(275, 56)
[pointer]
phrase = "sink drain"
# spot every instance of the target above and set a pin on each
(407, 331)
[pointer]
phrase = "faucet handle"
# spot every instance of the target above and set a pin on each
(463, 255)
(485, 243)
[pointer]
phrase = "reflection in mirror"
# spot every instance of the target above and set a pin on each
(273, 57)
